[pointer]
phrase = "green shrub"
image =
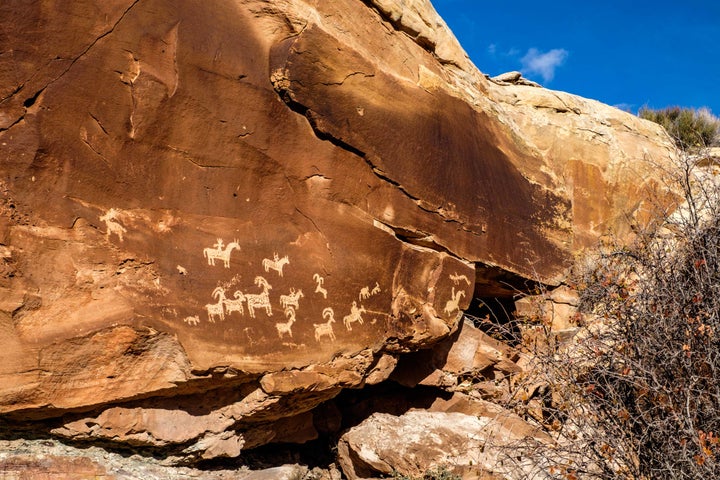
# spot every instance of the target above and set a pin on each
(689, 128)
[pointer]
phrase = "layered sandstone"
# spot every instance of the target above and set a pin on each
(218, 215)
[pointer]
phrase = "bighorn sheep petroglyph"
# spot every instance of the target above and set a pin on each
(319, 288)
(325, 329)
(283, 328)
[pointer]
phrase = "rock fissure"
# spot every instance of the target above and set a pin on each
(15, 122)
(13, 93)
(96, 151)
(349, 75)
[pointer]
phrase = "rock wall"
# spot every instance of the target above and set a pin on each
(217, 216)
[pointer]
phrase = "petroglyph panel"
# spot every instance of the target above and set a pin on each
(240, 302)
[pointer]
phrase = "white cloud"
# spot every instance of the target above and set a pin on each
(543, 64)
(492, 48)
(628, 107)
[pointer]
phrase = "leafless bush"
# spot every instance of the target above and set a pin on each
(635, 393)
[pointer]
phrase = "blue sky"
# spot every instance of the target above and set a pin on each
(623, 53)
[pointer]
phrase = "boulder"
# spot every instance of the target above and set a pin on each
(468, 359)
(513, 78)
(470, 445)
(557, 309)
(216, 216)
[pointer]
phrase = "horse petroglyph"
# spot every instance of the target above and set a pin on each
(111, 226)
(319, 288)
(325, 329)
(217, 252)
(355, 315)
(456, 278)
(453, 304)
(283, 328)
(276, 264)
(292, 299)
(259, 300)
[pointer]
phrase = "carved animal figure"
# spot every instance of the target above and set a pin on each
(216, 309)
(259, 300)
(276, 264)
(292, 299)
(456, 278)
(319, 288)
(194, 320)
(453, 303)
(111, 225)
(355, 316)
(364, 293)
(283, 328)
(325, 329)
(218, 253)
(376, 289)
(235, 305)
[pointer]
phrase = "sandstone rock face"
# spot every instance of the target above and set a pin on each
(216, 216)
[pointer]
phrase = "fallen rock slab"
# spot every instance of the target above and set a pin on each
(418, 441)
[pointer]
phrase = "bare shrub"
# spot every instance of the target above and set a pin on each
(635, 392)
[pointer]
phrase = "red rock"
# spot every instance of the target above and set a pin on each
(279, 199)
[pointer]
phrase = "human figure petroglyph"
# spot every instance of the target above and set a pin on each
(259, 300)
(319, 288)
(355, 316)
(236, 304)
(112, 226)
(456, 278)
(192, 321)
(283, 328)
(217, 253)
(325, 329)
(453, 303)
(292, 299)
(276, 264)
(249, 333)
